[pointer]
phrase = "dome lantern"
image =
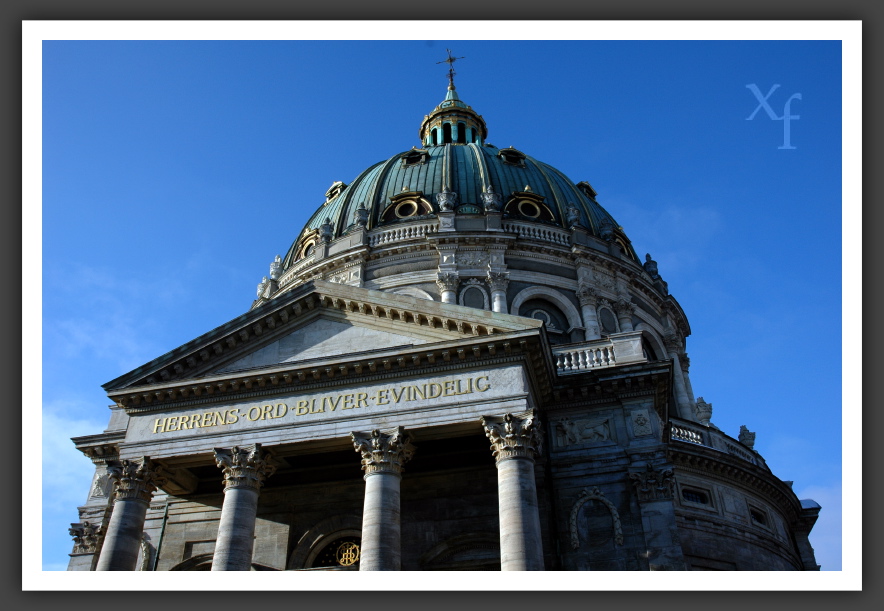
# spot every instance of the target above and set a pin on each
(452, 121)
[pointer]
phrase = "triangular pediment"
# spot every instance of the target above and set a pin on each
(321, 338)
(315, 321)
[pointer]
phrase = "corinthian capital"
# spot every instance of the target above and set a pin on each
(587, 295)
(447, 281)
(135, 479)
(498, 281)
(624, 307)
(87, 538)
(246, 466)
(671, 341)
(383, 451)
(513, 435)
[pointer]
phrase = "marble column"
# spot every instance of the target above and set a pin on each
(245, 469)
(135, 483)
(515, 441)
(588, 298)
(685, 406)
(448, 283)
(624, 309)
(383, 455)
(498, 282)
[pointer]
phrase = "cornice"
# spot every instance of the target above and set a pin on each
(733, 470)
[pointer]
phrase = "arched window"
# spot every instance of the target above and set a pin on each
(446, 133)
(462, 132)
(435, 134)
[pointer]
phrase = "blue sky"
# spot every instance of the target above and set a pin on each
(173, 172)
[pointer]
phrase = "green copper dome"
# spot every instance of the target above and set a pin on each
(403, 188)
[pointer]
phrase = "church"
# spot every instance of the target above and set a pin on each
(461, 363)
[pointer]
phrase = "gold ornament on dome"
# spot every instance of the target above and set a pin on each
(347, 554)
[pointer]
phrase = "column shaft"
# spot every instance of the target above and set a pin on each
(381, 531)
(681, 395)
(498, 301)
(590, 322)
(123, 539)
(520, 543)
(449, 296)
(236, 530)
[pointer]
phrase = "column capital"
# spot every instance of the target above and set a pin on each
(513, 435)
(624, 307)
(87, 537)
(671, 341)
(587, 295)
(653, 484)
(245, 466)
(447, 281)
(135, 479)
(498, 281)
(383, 451)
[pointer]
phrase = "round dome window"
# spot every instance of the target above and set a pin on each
(406, 209)
(529, 209)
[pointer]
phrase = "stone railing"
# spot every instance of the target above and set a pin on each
(533, 231)
(617, 349)
(381, 237)
(292, 272)
(712, 438)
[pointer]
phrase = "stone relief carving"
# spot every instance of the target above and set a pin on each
(383, 451)
(99, 487)
(245, 466)
(594, 494)
(747, 437)
(653, 484)
(472, 258)
(605, 281)
(573, 432)
(641, 423)
(87, 537)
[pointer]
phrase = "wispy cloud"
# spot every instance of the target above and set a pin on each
(66, 475)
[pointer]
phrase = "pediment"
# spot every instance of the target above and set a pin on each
(314, 321)
(323, 337)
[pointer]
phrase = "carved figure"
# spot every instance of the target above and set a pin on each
(573, 215)
(262, 285)
(361, 215)
(651, 267)
(326, 230)
(575, 432)
(704, 411)
(276, 268)
(493, 201)
(747, 437)
(606, 230)
(447, 199)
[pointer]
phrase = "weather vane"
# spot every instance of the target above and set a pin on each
(450, 61)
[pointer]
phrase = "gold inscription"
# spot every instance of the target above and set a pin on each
(325, 404)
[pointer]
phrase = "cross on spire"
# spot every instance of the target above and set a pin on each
(450, 61)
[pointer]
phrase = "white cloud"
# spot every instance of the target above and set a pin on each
(66, 475)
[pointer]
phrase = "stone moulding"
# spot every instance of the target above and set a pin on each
(593, 494)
